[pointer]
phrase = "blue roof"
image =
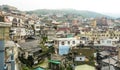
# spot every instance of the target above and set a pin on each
(63, 50)
(39, 68)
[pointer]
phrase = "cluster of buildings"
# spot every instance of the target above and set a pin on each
(68, 33)
(15, 28)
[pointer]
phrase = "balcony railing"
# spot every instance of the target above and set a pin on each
(5, 24)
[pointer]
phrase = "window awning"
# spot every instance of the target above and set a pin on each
(39, 68)
(54, 61)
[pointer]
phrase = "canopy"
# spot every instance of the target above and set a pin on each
(54, 61)
(39, 68)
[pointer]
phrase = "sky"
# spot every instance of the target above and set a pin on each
(100, 6)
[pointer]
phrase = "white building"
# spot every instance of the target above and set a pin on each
(106, 42)
(18, 34)
(66, 42)
(20, 31)
(37, 28)
(80, 58)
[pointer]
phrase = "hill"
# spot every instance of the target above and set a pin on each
(67, 11)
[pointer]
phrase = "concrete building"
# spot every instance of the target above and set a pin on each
(62, 45)
(18, 33)
(4, 30)
(37, 29)
(4, 36)
(101, 34)
(106, 42)
(79, 58)
(66, 41)
(11, 48)
(32, 50)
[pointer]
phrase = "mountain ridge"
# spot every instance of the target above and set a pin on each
(84, 13)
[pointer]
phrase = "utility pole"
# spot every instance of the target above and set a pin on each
(12, 61)
(109, 62)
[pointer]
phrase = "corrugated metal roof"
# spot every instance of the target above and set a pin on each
(108, 68)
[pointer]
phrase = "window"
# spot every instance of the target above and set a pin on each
(114, 35)
(108, 41)
(63, 43)
(102, 41)
(14, 20)
(80, 58)
(73, 42)
(55, 42)
(37, 31)
(95, 35)
(80, 42)
(107, 35)
(68, 42)
(37, 27)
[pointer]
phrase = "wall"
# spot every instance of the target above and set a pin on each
(72, 42)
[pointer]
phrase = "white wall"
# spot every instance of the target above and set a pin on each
(65, 40)
(107, 42)
(37, 27)
(80, 58)
(20, 31)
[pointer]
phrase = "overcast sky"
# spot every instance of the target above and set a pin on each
(101, 6)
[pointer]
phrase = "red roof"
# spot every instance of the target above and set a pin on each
(63, 29)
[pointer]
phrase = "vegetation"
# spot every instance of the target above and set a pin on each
(42, 44)
(88, 53)
(24, 67)
(67, 11)
(85, 52)
(92, 63)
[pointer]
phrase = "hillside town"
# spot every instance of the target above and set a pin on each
(57, 41)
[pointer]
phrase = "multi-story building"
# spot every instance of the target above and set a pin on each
(30, 50)
(4, 36)
(4, 28)
(18, 34)
(62, 44)
(51, 34)
(37, 29)
(11, 48)
(97, 35)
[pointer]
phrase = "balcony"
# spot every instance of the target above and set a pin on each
(5, 24)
